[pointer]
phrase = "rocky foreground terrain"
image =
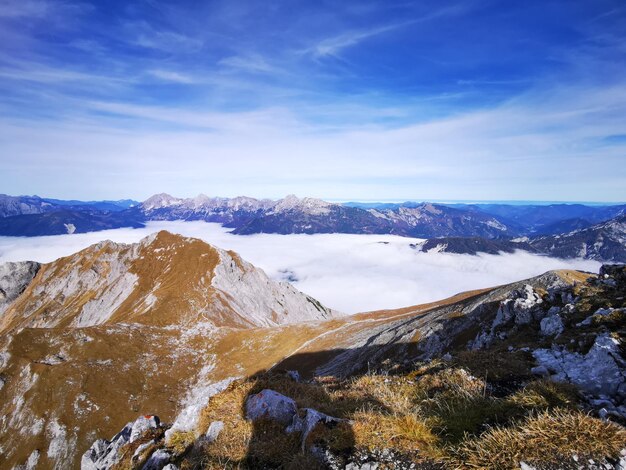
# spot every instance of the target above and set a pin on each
(243, 372)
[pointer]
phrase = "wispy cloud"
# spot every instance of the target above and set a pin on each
(24, 8)
(172, 76)
(248, 63)
(142, 34)
(249, 99)
(333, 45)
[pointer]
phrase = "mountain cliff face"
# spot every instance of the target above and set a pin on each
(14, 278)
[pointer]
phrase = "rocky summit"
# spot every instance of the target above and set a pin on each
(245, 372)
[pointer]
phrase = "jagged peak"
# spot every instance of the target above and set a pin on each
(307, 204)
(160, 200)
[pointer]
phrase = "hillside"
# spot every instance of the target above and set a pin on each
(604, 241)
(83, 353)
(91, 339)
(492, 379)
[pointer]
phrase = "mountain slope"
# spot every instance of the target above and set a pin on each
(91, 339)
(164, 280)
(18, 205)
(64, 221)
(546, 218)
(605, 241)
(64, 386)
(472, 246)
(490, 376)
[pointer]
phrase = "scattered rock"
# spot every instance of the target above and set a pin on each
(294, 375)
(31, 462)
(271, 405)
(552, 325)
(143, 424)
(142, 448)
(522, 307)
(600, 371)
(104, 454)
(310, 419)
(215, 428)
(541, 371)
(158, 460)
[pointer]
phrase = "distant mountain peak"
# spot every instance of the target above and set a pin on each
(307, 204)
(159, 201)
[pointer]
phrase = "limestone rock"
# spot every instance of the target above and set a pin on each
(522, 307)
(552, 325)
(215, 428)
(104, 454)
(14, 278)
(143, 424)
(602, 371)
(158, 460)
(271, 405)
(306, 423)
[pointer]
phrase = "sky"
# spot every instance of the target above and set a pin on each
(350, 273)
(350, 100)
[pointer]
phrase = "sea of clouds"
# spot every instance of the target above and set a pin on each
(351, 273)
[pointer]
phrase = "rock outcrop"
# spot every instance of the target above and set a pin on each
(14, 278)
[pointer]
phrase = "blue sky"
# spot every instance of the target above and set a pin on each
(479, 99)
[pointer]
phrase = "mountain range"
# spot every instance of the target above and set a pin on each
(563, 230)
(101, 340)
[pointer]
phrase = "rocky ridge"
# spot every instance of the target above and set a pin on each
(144, 323)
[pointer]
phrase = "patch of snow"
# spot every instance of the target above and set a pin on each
(70, 228)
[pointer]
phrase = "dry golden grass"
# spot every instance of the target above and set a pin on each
(438, 412)
(405, 433)
(545, 394)
(549, 437)
(227, 407)
(180, 442)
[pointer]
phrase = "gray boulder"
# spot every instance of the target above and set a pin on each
(269, 404)
(552, 325)
(602, 371)
(104, 454)
(215, 428)
(522, 307)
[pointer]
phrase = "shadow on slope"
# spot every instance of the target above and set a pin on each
(425, 415)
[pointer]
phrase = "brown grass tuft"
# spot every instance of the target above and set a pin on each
(549, 437)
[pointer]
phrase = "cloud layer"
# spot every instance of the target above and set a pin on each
(351, 273)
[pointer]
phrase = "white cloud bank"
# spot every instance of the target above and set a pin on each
(351, 273)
